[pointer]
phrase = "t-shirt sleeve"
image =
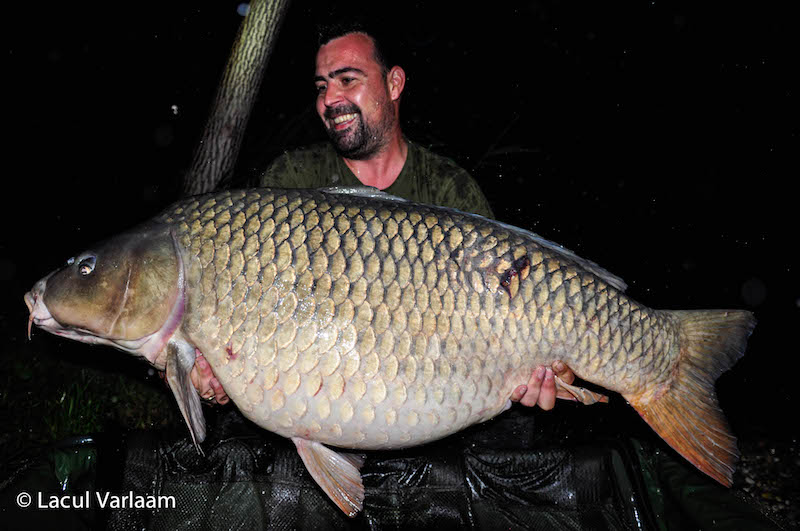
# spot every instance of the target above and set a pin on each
(281, 173)
(462, 192)
(295, 169)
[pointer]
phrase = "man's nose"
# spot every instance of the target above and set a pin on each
(332, 96)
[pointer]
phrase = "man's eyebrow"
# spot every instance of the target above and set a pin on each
(339, 72)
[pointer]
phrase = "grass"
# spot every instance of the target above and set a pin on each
(51, 390)
(77, 410)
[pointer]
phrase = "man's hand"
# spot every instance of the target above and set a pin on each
(541, 388)
(206, 383)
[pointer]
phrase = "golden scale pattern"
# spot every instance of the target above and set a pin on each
(383, 324)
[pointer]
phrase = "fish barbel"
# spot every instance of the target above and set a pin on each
(354, 319)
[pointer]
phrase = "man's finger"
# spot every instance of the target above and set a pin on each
(519, 392)
(561, 370)
(534, 386)
(547, 395)
(202, 376)
(219, 392)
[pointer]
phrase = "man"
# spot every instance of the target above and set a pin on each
(358, 101)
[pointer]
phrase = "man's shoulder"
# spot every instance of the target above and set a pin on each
(304, 167)
(442, 170)
(318, 152)
(434, 162)
(439, 180)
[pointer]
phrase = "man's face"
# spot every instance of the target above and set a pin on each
(353, 98)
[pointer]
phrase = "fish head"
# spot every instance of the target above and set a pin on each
(126, 292)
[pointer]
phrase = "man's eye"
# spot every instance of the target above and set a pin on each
(347, 80)
(321, 88)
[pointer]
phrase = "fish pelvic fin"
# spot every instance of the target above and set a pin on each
(338, 474)
(685, 413)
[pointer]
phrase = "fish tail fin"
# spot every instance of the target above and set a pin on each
(685, 412)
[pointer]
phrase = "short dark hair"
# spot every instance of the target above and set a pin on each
(328, 32)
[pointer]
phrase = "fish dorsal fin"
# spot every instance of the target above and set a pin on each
(367, 192)
(601, 272)
(337, 474)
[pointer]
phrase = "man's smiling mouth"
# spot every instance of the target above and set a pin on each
(342, 118)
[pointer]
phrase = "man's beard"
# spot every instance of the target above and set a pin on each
(360, 141)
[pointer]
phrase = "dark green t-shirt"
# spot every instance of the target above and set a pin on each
(425, 178)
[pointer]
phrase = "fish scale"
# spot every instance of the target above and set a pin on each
(358, 320)
(382, 376)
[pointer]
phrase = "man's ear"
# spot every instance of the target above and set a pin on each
(397, 82)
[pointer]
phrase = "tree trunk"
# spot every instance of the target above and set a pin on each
(215, 156)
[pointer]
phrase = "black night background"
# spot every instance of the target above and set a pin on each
(658, 139)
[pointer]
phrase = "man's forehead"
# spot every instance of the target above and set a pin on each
(351, 51)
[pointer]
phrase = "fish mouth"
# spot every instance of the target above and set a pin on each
(148, 347)
(42, 318)
(39, 314)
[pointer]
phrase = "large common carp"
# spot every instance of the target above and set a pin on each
(354, 319)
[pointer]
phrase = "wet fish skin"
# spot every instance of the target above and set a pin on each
(422, 340)
(372, 323)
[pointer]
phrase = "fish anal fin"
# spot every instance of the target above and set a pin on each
(337, 474)
(581, 394)
(180, 360)
(685, 411)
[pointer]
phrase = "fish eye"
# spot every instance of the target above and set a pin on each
(86, 266)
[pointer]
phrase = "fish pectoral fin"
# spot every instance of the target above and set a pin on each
(180, 360)
(581, 394)
(337, 474)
